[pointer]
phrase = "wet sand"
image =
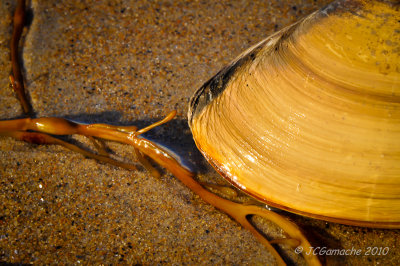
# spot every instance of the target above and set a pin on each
(130, 63)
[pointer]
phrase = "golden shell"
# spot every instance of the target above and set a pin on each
(308, 120)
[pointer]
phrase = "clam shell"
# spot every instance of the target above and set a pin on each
(308, 120)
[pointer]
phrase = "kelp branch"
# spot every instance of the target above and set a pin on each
(16, 79)
(21, 129)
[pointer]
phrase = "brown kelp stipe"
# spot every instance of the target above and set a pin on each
(36, 131)
(16, 79)
(41, 131)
